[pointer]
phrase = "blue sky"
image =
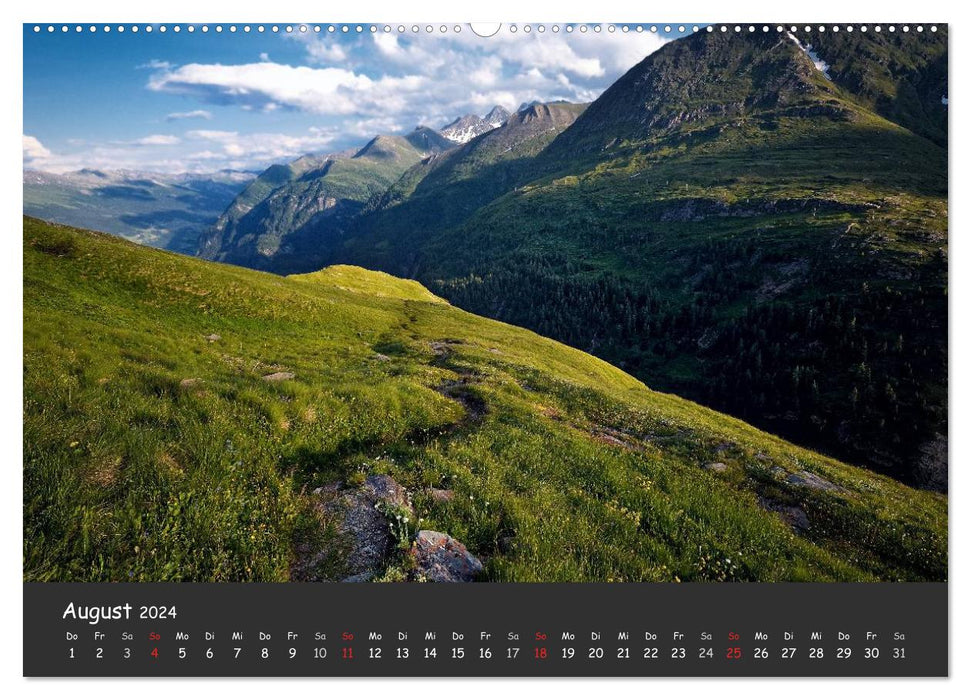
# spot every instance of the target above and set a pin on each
(203, 101)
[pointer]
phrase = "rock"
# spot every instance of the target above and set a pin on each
(382, 358)
(278, 376)
(608, 439)
(192, 381)
(359, 578)
(212, 337)
(716, 466)
(442, 559)
(362, 524)
(383, 488)
(794, 516)
(440, 495)
(813, 481)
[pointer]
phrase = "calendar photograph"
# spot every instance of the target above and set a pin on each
(449, 303)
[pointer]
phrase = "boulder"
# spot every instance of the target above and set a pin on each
(443, 559)
(813, 481)
(278, 376)
(364, 525)
(440, 495)
(794, 516)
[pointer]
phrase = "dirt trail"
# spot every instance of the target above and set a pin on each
(458, 389)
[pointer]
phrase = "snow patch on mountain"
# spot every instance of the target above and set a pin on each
(497, 116)
(466, 128)
(820, 64)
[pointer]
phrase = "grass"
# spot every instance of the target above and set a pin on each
(568, 469)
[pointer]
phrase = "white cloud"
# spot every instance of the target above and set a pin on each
(428, 78)
(368, 128)
(155, 64)
(156, 140)
(34, 150)
(266, 85)
(586, 55)
(201, 150)
(321, 49)
(355, 87)
(326, 53)
(211, 134)
(262, 148)
(194, 114)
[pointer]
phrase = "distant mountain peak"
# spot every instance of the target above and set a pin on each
(497, 116)
(428, 140)
(704, 80)
(379, 147)
(466, 128)
(536, 103)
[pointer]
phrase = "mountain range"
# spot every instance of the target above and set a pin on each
(158, 209)
(756, 222)
(280, 217)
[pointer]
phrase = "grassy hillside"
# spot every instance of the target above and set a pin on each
(179, 415)
(727, 223)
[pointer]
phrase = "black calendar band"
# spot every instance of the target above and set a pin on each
(724, 629)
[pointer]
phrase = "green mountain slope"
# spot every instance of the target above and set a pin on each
(727, 223)
(185, 420)
(447, 189)
(901, 76)
(281, 217)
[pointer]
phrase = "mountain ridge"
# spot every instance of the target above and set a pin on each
(275, 217)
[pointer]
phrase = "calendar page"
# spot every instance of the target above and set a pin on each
(438, 349)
